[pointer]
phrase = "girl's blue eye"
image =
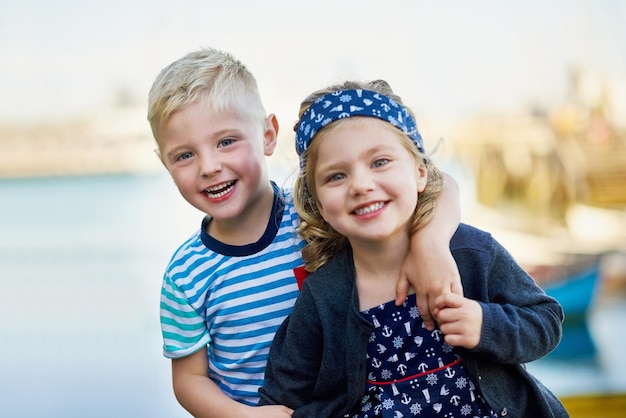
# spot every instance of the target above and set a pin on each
(336, 177)
(381, 162)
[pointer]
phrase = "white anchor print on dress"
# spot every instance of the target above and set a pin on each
(412, 371)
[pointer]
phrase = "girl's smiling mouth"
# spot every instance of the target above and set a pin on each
(365, 210)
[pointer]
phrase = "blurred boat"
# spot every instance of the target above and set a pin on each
(575, 287)
(550, 184)
(567, 269)
(547, 160)
(573, 282)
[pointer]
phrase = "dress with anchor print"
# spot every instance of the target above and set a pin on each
(412, 371)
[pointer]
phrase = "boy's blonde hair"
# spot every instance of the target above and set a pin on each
(215, 78)
(322, 241)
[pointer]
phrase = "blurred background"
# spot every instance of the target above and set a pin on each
(524, 104)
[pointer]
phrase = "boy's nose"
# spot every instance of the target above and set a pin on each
(210, 165)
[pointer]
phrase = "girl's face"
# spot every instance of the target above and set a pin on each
(366, 180)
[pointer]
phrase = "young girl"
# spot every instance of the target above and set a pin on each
(347, 350)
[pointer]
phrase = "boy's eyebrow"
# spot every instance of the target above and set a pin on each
(227, 132)
(170, 153)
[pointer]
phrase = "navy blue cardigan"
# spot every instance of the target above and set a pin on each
(317, 361)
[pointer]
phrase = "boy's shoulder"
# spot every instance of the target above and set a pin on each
(470, 237)
(289, 207)
(286, 193)
(192, 245)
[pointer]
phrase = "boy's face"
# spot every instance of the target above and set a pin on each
(217, 159)
(366, 181)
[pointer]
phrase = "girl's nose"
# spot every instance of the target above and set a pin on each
(361, 182)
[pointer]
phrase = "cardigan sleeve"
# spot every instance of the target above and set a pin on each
(316, 364)
(521, 323)
(295, 357)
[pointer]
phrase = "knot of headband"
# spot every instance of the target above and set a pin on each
(348, 103)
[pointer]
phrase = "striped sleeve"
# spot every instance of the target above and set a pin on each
(184, 329)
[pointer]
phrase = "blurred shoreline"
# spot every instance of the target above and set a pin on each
(113, 141)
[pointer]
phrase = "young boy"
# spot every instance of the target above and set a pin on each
(227, 289)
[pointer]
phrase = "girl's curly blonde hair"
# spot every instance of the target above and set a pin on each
(322, 241)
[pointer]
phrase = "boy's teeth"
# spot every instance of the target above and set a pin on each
(219, 190)
(369, 209)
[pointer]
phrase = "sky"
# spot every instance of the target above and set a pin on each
(448, 58)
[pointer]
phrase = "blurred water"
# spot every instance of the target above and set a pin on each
(80, 267)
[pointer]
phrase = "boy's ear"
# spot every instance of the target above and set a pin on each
(158, 154)
(271, 134)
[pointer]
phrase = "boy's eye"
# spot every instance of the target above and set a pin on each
(184, 156)
(381, 162)
(225, 142)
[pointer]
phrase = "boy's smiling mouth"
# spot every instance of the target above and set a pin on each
(219, 190)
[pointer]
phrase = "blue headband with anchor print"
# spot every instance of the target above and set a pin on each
(343, 104)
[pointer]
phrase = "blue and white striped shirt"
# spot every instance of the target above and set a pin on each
(232, 299)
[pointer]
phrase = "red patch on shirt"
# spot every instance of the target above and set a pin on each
(300, 274)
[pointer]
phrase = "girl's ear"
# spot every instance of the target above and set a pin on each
(320, 209)
(422, 177)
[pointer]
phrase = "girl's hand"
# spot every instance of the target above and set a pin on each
(433, 274)
(460, 320)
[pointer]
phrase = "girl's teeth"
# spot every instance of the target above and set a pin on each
(369, 209)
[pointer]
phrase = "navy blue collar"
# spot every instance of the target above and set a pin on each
(266, 239)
